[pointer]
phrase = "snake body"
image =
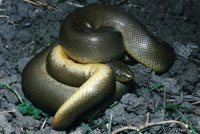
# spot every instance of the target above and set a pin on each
(56, 83)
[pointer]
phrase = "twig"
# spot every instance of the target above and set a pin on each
(34, 3)
(10, 111)
(148, 125)
(44, 4)
(3, 77)
(4, 16)
(43, 124)
(133, 5)
(196, 103)
(197, 112)
(170, 100)
(2, 10)
(164, 100)
(120, 2)
(181, 93)
(74, 4)
(147, 120)
(196, 60)
(187, 98)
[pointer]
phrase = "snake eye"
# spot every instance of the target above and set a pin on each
(121, 71)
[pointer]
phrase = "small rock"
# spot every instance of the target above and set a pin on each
(118, 114)
(142, 75)
(178, 8)
(134, 104)
(177, 67)
(195, 120)
(189, 106)
(8, 129)
(79, 130)
(197, 89)
(137, 121)
(170, 84)
(21, 63)
(184, 50)
(190, 73)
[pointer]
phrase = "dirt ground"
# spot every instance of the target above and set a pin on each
(26, 28)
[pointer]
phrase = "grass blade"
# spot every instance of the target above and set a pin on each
(88, 128)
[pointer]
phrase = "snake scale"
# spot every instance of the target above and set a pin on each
(69, 77)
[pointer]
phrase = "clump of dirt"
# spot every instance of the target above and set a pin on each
(27, 28)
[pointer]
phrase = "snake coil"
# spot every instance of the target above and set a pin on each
(90, 36)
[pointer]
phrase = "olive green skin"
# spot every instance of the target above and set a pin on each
(138, 43)
(79, 39)
(45, 84)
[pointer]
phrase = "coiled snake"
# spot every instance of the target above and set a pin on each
(69, 77)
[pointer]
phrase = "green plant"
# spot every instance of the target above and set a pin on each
(172, 107)
(3, 131)
(26, 106)
(29, 109)
(157, 86)
(7, 86)
(88, 128)
(37, 37)
(187, 122)
(37, 33)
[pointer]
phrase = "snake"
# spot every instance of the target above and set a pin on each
(80, 72)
